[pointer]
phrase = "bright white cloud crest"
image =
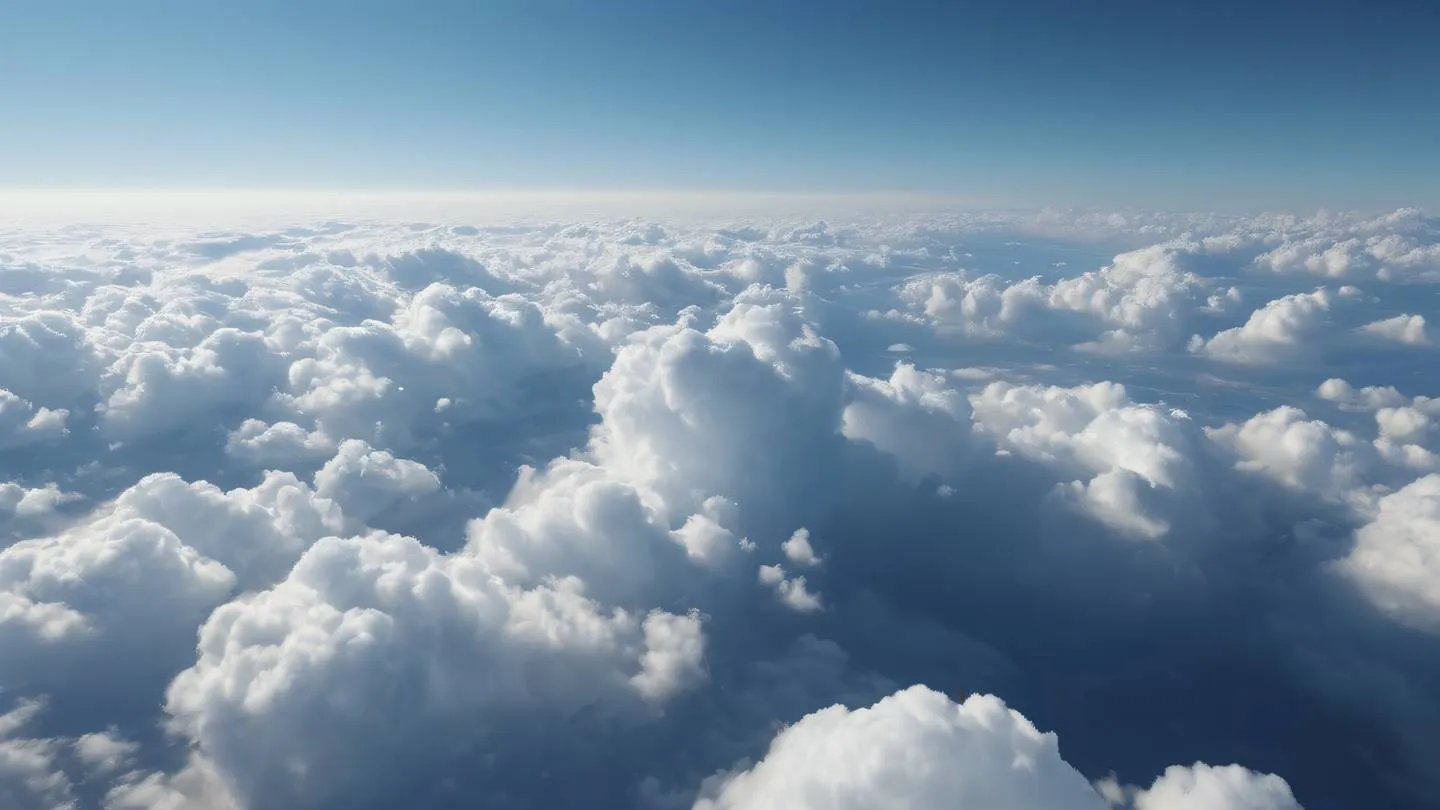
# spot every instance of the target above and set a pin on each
(681, 513)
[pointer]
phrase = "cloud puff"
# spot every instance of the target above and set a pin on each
(1404, 423)
(1402, 245)
(280, 443)
(366, 483)
(1123, 456)
(1207, 787)
(378, 380)
(1278, 330)
(918, 749)
(1299, 453)
(161, 386)
(1315, 256)
(1142, 295)
(980, 306)
(257, 533)
(1396, 559)
(22, 423)
(798, 549)
(1370, 397)
(132, 582)
(21, 502)
(30, 773)
(291, 682)
(46, 359)
(1138, 302)
(1401, 329)
(687, 412)
(918, 417)
(105, 752)
(790, 590)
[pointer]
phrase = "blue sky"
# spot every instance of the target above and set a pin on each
(1227, 105)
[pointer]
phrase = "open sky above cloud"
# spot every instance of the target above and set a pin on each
(1032, 103)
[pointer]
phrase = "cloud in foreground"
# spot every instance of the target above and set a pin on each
(918, 749)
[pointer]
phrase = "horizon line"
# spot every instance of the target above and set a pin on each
(481, 191)
(25, 196)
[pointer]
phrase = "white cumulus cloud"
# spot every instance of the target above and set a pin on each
(1408, 329)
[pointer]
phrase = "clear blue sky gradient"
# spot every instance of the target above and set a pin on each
(1165, 103)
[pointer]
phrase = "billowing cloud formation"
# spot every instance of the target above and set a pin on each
(1401, 329)
(1396, 558)
(913, 749)
(1299, 453)
(22, 423)
(1205, 787)
(669, 514)
(1124, 453)
(918, 749)
(1274, 332)
(412, 641)
(1140, 301)
(1401, 246)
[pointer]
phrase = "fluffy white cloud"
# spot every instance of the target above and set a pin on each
(31, 777)
(687, 413)
(378, 632)
(1299, 453)
(1408, 256)
(22, 423)
(378, 380)
(979, 306)
(105, 751)
(257, 533)
(365, 482)
(691, 424)
(798, 549)
(918, 749)
(1408, 329)
(281, 443)
(135, 579)
(575, 519)
(1138, 302)
(129, 576)
(1274, 332)
(1404, 423)
(1208, 787)
(1122, 456)
(46, 358)
(160, 386)
(791, 591)
(30, 503)
(916, 416)
(1314, 256)
(1142, 296)
(1369, 398)
(1396, 558)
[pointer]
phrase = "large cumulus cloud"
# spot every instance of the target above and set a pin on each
(377, 649)
(918, 749)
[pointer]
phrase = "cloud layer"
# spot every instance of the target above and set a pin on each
(1058, 509)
